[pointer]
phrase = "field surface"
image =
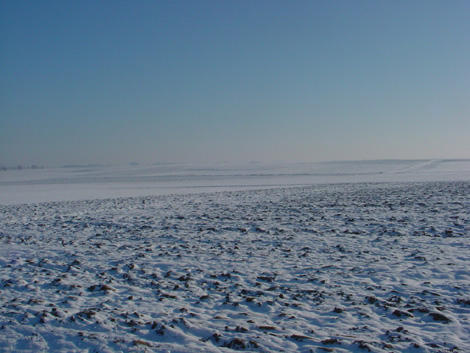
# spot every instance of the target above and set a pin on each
(346, 267)
(102, 182)
(381, 267)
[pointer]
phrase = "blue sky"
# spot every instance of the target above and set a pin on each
(229, 81)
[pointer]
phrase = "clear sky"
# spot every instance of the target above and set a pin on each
(113, 82)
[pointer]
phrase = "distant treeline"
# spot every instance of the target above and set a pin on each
(20, 167)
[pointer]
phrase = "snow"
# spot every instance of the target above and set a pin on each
(376, 260)
(68, 184)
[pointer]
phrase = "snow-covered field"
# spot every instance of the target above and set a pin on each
(86, 183)
(379, 262)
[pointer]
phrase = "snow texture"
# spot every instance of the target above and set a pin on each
(347, 267)
(86, 183)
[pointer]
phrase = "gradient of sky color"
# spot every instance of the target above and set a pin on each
(213, 81)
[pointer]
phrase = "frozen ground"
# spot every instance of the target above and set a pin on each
(356, 267)
(44, 185)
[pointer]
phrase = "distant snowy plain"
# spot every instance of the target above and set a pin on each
(87, 183)
(325, 257)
